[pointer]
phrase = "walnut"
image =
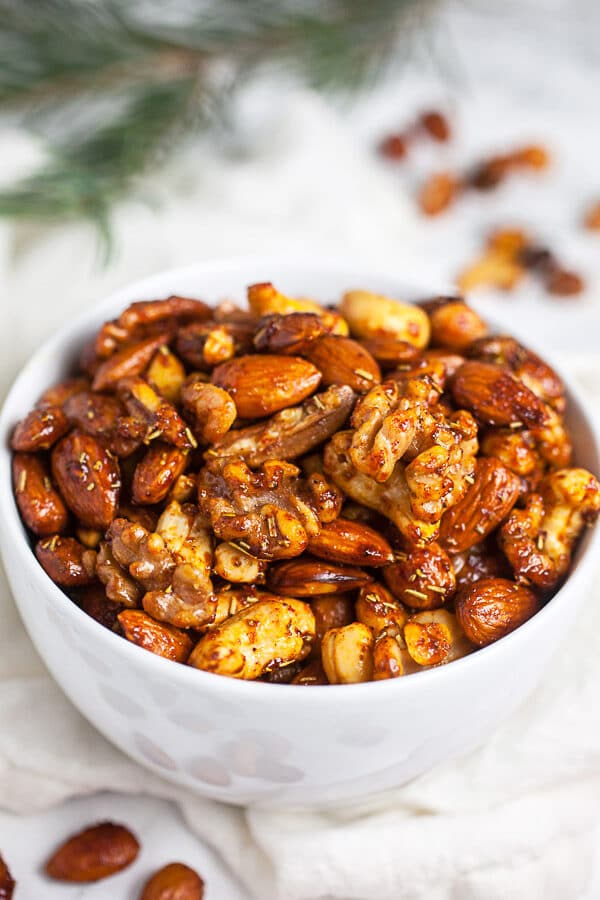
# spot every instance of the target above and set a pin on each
(142, 552)
(267, 513)
(391, 498)
(189, 601)
(539, 540)
(119, 585)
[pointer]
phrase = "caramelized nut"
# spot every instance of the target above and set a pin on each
(157, 637)
(40, 429)
(495, 396)
(373, 315)
(88, 479)
(263, 384)
(493, 607)
(345, 541)
(347, 654)
(308, 577)
(157, 472)
(268, 634)
(422, 578)
(66, 561)
(41, 506)
(379, 609)
(344, 361)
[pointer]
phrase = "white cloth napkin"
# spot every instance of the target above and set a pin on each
(514, 818)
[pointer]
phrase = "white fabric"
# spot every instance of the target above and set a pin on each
(515, 817)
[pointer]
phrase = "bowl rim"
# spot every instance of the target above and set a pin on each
(12, 529)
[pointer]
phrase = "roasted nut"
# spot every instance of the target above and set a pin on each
(264, 300)
(344, 361)
(514, 448)
(391, 659)
(495, 396)
(40, 429)
(157, 472)
(493, 607)
(203, 345)
(422, 577)
(490, 498)
(290, 334)
(143, 553)
(66, 561)
(438, 193)
(266, 513)
(308, 577)
(552, 440)
(372, 316)
(164, 640)
(183, 490)
(97, 852)
(129, 361)
(481, 561)
(379, 609)
(263, 384)
(293, 431)
(312, 674)
(93, 601)
(591, 219)
(161, 418)
(166, 374)
(210, 409)
(267, 635)
(41, 506)
(390, 351)
(436, 125)
(59, 393)
(174, 882)
(331, 611)
(538, 540)
(347, 654)
(120, 587)
(236, 565)
(351, 542)
(525, 365)
(189, 601)
(88, 479)
(145, 312)
(435, 637)
(391, 499)
(232, 600)
(454, 324)
(7, 882)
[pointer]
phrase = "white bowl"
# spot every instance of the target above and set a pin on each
(275, 745)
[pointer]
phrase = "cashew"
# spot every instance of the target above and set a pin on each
(371, 315)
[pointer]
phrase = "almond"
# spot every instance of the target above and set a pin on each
(493, 607)
(174, 882)
(93, 601)
(390, 351)
(95, 853)
(331, 611)
(308, 577)
(290, 335)
(41, 506)
(145, 312)
(88, 479)
(94, 413)
(344, 361)
(487, 502)
(422, 578)
(66, 561)
(40, 429)
(347, 541)
(261, 384)
(129, 361)
(495, 396)
(158, 637)
(59, 393)
(7, 882)
(157, 472)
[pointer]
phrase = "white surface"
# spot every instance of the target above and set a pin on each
(309, 183)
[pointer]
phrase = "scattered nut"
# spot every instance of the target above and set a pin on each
(174, 882)
(95, 853)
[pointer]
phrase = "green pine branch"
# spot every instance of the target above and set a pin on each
(111, 86)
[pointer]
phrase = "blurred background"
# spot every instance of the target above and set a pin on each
(137, 136)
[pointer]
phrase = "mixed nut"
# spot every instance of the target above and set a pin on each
(101, 851)
(305, 494)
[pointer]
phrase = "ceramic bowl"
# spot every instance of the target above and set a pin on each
(275, 745)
